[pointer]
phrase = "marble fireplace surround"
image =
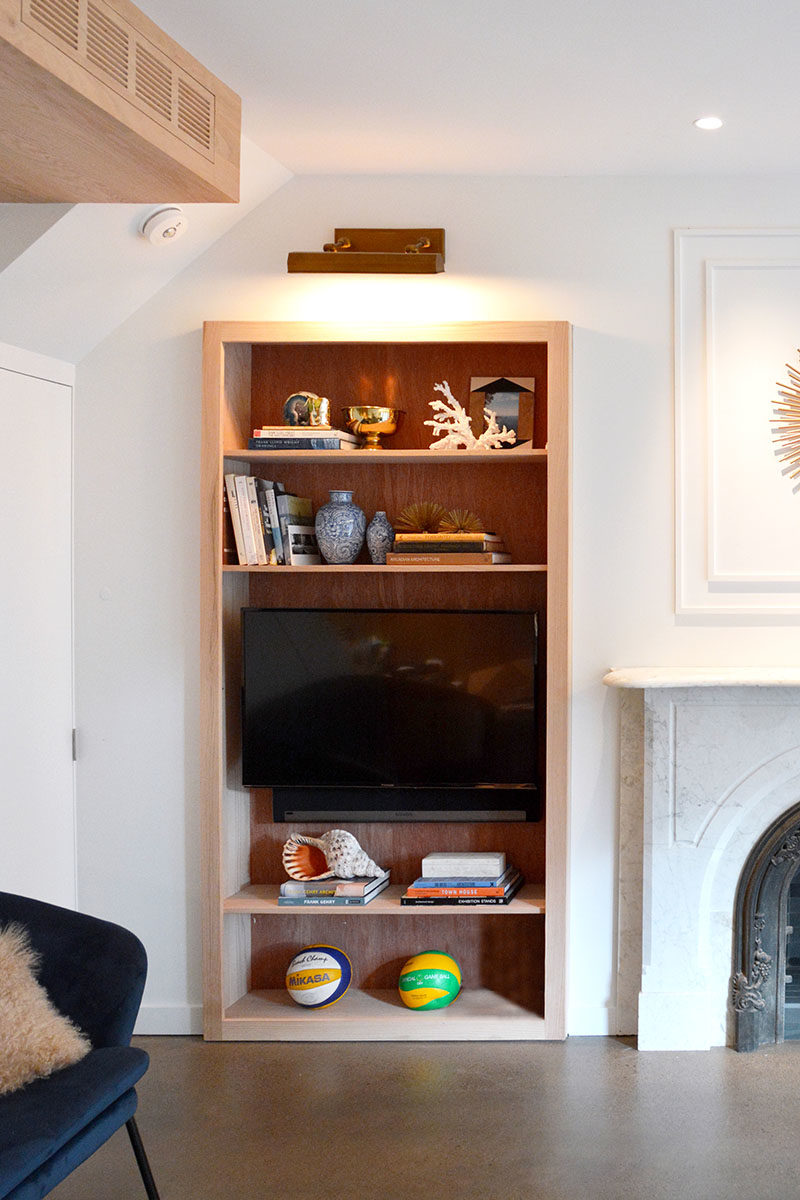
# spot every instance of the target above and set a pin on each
(709, 759)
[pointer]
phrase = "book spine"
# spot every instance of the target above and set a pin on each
(462, 901)
(428, 893)
(326, 901)
(461, 539)
(295, 444)
(293, 510)
(255, 517)
(462, 881)
(460, 558)
(413, 547)
(243, 496)
(442, 865)
(296, 434)
(297, 888)
(275, 525)
(269, 544)
(236, 520)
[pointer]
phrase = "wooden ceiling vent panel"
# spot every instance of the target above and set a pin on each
(98, 104)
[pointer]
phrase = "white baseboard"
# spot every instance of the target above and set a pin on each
(591, 1021)
(169, 1019)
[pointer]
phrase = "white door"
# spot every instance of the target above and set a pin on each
(37, 808)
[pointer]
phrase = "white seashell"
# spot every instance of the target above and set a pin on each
(341, 851)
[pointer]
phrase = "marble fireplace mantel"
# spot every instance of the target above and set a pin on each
(709, 758)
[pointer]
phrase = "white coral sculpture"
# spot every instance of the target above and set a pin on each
(452, 426)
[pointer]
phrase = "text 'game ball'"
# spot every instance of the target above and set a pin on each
(430, 980)
(318, 976)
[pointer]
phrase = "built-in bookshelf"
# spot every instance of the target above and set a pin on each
(512, 957)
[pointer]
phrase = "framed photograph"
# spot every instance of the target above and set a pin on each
(510, 399)
(302, 549)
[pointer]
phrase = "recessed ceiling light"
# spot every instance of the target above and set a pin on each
(708, 123)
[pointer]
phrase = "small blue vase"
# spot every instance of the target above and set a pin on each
(380, 537)
(340, 526)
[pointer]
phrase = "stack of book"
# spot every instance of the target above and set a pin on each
(481, 878)
(270, 525)
(316, 893)
(302, 437)
(441, 549)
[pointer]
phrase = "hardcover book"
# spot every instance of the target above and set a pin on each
(245, 516)
(333, 886)
(464, 901)
(236, 521)
(302, 433)
(461, 539)
(459, 559)
(283, 443)
(294, 510)
(432, 887)
(476, 864)
(331, 901)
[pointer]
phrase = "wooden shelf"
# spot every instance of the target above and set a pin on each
(359, 568)
(362, 1016)
(514, 969)
(373, 458)
(262, 900)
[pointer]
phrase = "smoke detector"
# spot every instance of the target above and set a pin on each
(164, 225)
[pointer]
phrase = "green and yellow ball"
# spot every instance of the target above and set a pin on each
(429, 980)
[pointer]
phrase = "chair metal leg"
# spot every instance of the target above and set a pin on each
(141, 1159)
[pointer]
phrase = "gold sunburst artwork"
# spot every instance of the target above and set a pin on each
(422, 517)
(786, 425)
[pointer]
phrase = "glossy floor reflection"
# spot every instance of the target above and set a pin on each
(589, 1119)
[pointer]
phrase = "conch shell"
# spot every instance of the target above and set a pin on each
(337, 853)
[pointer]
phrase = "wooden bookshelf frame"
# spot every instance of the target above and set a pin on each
(240, 916)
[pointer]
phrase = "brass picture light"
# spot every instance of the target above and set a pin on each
(375, 251)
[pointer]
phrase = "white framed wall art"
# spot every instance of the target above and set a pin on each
(737, 326)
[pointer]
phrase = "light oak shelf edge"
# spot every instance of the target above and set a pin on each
(365, 1016)
(371, 458)
(357, 568)
(262, 900)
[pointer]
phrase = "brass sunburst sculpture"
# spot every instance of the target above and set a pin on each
(786, 425)
(422, 517)
(461, 520)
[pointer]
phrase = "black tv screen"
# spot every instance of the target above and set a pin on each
(387, 714)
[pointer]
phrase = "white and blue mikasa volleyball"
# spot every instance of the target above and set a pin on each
(318, 976)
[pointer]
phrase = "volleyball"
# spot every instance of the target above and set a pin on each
(318, 976)
(429, 980)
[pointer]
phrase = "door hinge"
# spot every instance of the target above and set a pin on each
(74, 745)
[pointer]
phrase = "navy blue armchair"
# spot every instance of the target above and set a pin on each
(94, 973)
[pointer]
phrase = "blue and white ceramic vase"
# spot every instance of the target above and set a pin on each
(340, 526)
(380, 537)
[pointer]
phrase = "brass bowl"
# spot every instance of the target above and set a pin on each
(372, 422)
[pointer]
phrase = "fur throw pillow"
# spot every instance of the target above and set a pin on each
(35, 1039)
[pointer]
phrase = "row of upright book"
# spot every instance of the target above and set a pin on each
(270, 525)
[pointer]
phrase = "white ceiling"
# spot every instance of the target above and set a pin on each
(505, 86)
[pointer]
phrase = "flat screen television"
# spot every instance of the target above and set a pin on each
(375, 714)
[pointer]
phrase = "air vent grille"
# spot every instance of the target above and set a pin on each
(109, 47)
(195, 116)
(153, 82)
(61, 19)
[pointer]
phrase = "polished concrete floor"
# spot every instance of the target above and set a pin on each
(590, 1119)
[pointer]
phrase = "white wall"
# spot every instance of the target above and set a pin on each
(596, 252)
